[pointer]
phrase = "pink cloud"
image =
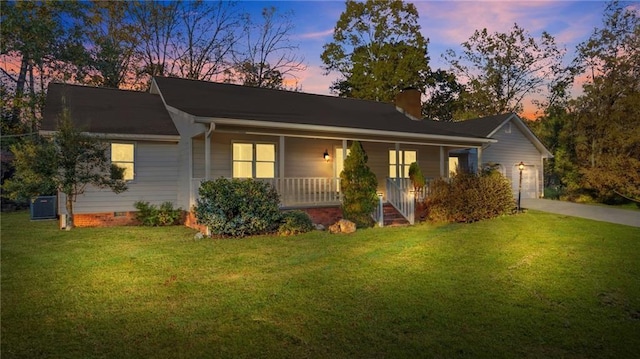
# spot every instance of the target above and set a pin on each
(316, 35)
(313, 80)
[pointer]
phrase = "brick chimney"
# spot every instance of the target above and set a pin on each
(408, 102)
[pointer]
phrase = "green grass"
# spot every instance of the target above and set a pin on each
(527, 286)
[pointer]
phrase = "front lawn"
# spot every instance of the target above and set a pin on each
(527, 286)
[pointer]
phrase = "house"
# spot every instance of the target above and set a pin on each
(184, 131)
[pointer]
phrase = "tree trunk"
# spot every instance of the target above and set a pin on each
(69, 212)
(22, 79)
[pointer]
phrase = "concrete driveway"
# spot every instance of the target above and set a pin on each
(598, 213)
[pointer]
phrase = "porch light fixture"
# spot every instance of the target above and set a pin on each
(326, 156)
(520, 167)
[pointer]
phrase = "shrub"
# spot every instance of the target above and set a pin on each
(417, 178)
(238, 207)
(469, 197)
(359, 185)
(553, 192)
(151, 215)
(295, 222)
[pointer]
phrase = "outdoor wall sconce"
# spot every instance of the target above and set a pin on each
(326, 156)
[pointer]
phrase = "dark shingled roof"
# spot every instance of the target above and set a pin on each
(103, 110)
(210, 99)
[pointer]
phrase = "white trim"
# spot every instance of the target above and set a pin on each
(347, 130)
(207, 151)
(280, 151)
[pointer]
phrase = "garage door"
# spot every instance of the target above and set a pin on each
(529, 181)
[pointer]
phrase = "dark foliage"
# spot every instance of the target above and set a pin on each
(469, 197)
(238, 207)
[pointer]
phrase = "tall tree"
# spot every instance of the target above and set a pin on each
(269, 57)
(606, 123)
(378, 50)
(42, 40)
(68, 163)
(500, 69)
(207, 39)
(114, 37)
(444, 96)
(157, 23)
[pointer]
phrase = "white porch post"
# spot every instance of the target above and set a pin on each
(281, 166)
(442, 169)
(479, 165)
(344, 151)
(398, 161)
(344, 157)
(207, 151)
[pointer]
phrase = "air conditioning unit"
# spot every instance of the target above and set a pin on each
(44, 207)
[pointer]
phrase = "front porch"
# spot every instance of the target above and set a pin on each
(311, 192)
(304, 167)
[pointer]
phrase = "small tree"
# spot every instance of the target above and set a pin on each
(67, 163)
(358, 184)
(417, 178)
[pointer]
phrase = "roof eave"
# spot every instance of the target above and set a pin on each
(345, 130)
(123, 136)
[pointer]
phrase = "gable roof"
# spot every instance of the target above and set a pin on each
(108, 111)
(482, 126)
(210, 100)
(489, 125)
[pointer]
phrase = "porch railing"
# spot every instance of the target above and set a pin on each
(402, 197)
(378, 213)
(295, 191)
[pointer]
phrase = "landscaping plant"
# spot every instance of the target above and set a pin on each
(358, 184)
(151, 215)
(68, 162)
(469, 197)
(238, 207)
(295, 222)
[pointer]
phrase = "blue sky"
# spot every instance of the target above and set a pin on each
(445, 23)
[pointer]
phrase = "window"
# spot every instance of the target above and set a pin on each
(122, 156)
(406, 158)
(454, 163)
(254, 160)
(339, 161)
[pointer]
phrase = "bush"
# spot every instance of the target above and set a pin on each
(469, 197)
(151, 215)
(417, 178)
(238, 207)
(359, 185)
(295, 222)
(553, 192)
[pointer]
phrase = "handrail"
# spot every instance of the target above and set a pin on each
(402, 198)
(378, 213)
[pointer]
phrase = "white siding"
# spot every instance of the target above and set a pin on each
(156, 179)
(511, 148)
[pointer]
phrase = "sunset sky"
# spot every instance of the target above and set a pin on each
(445, 23)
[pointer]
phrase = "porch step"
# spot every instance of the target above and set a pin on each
(392, 217)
